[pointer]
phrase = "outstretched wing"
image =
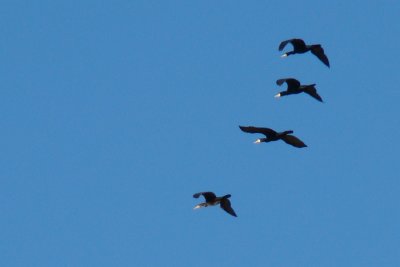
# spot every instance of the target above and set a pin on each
(283, 44)
(252, 129)
(318, 51)
(226, 206)
(209, 196)
(293, 140)
(313, 92)
(297, 44)
(292, 83)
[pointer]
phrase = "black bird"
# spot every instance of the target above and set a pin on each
(212, 200)
(294, 87)
(271, 135)
(299, 47)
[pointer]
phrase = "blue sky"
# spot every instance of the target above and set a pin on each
(114, 113)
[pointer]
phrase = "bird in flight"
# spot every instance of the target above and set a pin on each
(212, 200)
(300, 47)
(294, 87)
(271, 135)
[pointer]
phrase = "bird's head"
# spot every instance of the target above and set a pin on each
(258, 141)
(201, 205)
(278, 95)
(284, 55)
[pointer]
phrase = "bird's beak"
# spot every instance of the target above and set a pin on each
(278, 95)
(284, 55)
(197, 207)
(257, 141)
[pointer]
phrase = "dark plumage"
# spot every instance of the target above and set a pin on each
(299, 47)
(212, 200)
(271, 135)
(294, 87)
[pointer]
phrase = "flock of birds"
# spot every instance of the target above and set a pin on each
(293, 87)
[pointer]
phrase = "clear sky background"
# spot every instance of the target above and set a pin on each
(113, 113)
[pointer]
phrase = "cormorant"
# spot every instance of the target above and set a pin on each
(294, 87)
(299, 47)
(271, 135)
(212, 200)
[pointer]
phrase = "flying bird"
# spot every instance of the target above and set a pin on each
(212, 200)
(294, 87)
(271, 135)
(300, 47)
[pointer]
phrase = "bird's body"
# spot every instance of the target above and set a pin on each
(294, 87)
(213, 200)
(271, 135)
(300, 47)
